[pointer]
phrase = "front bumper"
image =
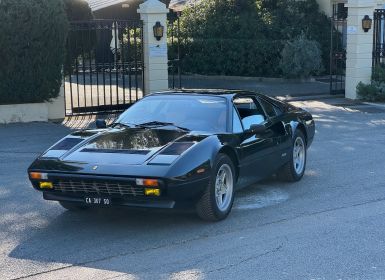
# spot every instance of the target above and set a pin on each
(115, 201)
(123, 191)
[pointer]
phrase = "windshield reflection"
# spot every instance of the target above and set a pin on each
(201, 113)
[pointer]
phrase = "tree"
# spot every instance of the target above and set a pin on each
(79, 41)
(77, 10)
(32, 40)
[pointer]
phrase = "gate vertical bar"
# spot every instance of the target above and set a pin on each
(82, 31)
(136, 61)
(179, 62)
(90, 62)
(142, 57)
(116, 61)
(331, 54)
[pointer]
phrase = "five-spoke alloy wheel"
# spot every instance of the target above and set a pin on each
(224, 185)
(217, 200)
(299, 155)
(293, 170)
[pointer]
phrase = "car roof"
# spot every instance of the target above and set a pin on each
(213, 92)
(228, 94)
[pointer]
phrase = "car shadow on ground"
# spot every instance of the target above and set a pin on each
(86, 238)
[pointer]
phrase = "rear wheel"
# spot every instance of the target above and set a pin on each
(217, 200)
(293, 170)
(72, 206)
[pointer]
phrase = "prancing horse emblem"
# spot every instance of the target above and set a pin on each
(95, 167)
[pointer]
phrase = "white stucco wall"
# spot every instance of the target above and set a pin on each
(34, 112)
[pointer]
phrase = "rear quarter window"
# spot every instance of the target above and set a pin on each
(270, 109)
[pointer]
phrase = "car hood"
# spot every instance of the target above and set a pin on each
(123, 146)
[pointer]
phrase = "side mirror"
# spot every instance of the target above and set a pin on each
(101, 123)
(256, 129)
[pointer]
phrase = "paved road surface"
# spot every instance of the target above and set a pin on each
(331, 225)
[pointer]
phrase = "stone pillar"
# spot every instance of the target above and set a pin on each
(359, 46)
(154, 51)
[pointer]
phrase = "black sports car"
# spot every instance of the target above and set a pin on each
(178, 149)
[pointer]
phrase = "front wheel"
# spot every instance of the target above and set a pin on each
(217, 200)
(293, 170)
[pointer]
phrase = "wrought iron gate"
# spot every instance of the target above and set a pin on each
(338, 49)
(174, 52)
(379, 38)
(103, 66)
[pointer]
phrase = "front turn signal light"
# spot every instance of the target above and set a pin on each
(38, 175)
(147, 182)
(46, 185)
(151, 192)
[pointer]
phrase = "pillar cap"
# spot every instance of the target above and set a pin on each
(152, 7)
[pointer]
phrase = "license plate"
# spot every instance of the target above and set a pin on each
(102, 201)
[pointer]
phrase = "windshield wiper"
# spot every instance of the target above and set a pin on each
(157, 123)
(129, 125)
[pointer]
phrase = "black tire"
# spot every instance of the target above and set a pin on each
(207, 207)
(72, 206)
(288, 172)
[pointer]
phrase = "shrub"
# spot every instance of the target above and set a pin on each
(301, 58)
(32, 42)
(288, 19)
(374, 91)
(246, 37)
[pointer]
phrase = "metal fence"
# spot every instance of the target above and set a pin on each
(379, 38)
(103, 66)
(338, 41)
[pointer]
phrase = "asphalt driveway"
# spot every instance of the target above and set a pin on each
(328, 226)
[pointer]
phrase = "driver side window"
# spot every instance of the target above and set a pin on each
(249, 111)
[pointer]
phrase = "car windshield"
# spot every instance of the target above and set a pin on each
(194, 112)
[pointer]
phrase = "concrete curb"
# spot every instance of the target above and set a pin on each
(309, 97)
(381, 105)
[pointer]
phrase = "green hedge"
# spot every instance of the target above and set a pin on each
(32, 42)
(246, 37)
(232, 57)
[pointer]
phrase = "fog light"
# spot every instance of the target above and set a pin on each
(152, 192)
(46, 185)
(38, 176)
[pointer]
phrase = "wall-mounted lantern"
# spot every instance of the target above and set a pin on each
(367, 23)
(158, 31)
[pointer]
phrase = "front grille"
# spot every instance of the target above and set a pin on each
(94, 187)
